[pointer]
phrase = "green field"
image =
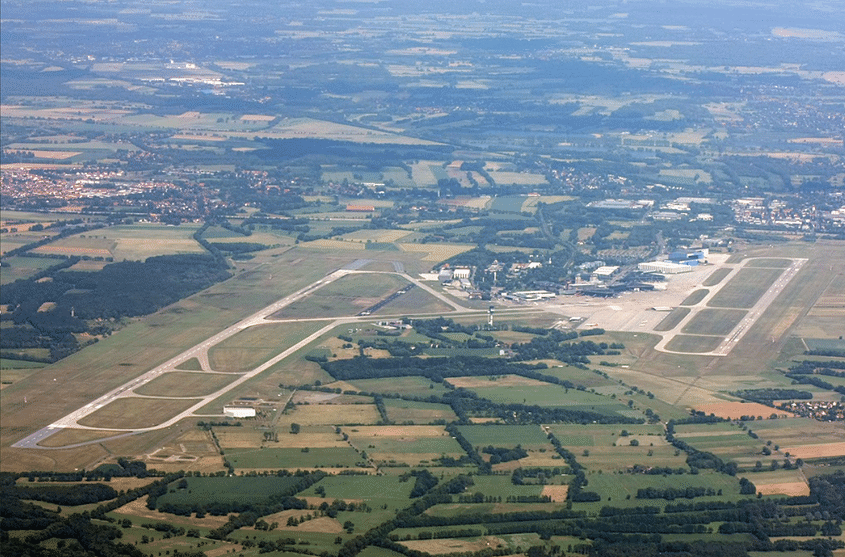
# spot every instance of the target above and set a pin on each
(346, 296)
(672, 319)
(177, 383)
(716, 277)
(410, 386)
(506, 436)
(203, 491)
(253, 346)
(745, 288)
(693, 343)
(275, 458)
(710, 321)
(553, 396)
(695, 297)
(615, 489)
(21, 267)
(411, 412)
(769, 262)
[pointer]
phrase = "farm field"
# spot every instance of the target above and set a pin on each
(293, 458)
(411, 445)
(505, 436)
(411, 386)
(411, 412)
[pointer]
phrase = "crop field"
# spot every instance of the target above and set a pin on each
(672, 319)
(177, 383)
(735, 410)
(517, 178)
(802, 437)
(404, 411)
(337, 414)
(203, 491)
(276, 458)
(135, 413)
(348, 295)
(509, 203)
(716, 276)
(506, 436)
(551, 395)
(745, 288)
(436, 252)
(412, 386)
(388, 490)
(615, 488)
(714, 321)
(414, 445)
(693, 343)
(128, 242)
(255, 345)
(21, 267)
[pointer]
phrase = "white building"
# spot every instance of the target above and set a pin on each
(460, 273)
(664, 267)
(239, 411)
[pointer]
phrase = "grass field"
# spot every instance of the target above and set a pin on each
(69, 436)
(507, 436)
(411, 386)
(745, 288)
(693, 343)
(769, 262)
(348, 295)
(21, 267)
(413, 445)
(672, 319)
(306, 457)
(133, 412)
(716, 276)
(203, 491)
(710, 321)
(615, 489)
(695, 297)
(255, 345)
(410, 412)
(177, 383)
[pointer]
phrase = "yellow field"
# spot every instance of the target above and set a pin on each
(436, 252)
(335, 414)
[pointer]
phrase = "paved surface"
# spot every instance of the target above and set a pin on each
(745, 325)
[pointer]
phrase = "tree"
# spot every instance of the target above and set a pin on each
(294, 428)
